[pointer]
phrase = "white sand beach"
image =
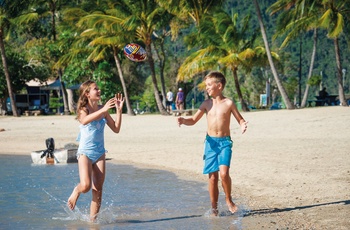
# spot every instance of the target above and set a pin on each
(291, 167)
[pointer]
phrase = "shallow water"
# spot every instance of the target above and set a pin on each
(34, 197)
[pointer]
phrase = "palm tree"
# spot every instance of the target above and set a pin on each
(4, 25)
(107, 34)
(143, 16)
(280, 86)
(224, 41)
(159, 40)
(335, 16)
(104, 32)
(9, 10)
(298, 16)
(48, 9)
(187, 11)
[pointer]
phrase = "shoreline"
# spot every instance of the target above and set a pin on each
(291, 166)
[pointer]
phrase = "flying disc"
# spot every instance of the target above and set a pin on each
(135, 52)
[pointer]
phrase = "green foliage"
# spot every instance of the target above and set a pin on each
(148, 101)
(106, 81)
(21, 71)
(314, 80)
(55, 103)
(291, 86)
(33, 54)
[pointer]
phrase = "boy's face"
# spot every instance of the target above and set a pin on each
(213, 87)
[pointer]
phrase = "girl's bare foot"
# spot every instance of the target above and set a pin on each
(72, 200)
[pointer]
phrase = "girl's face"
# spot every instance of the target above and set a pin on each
(95, 92)
(212, 87)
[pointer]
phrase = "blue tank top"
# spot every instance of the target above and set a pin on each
(91, 138)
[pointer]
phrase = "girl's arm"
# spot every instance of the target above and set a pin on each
(86, 118)
(116, 124)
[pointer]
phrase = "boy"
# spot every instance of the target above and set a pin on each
(218, 143)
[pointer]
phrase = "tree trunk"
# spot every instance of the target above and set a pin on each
(64, 93)
(339, 74)
(71, 103)
(239, 92)
(160, 106)
(7, 75)
(162, 59)
(121, 77)
(313, 56)
(282, 90)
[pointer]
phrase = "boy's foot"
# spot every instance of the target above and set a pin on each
(232, 207)
(72, 200)
(214, 212)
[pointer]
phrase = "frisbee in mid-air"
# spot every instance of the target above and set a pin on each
(135, 52)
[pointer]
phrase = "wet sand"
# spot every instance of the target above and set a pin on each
(291, 167)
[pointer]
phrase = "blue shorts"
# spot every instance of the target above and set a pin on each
(217, 151)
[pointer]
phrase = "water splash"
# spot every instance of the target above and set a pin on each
(133, 198)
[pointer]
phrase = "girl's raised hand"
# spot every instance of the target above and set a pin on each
(119, 101)
(109, 104)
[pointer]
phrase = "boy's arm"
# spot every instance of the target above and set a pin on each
(192, 120)
(239, 118)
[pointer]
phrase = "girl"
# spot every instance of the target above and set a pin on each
(91, 151)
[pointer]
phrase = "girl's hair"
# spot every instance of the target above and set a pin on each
(83, 100)
(217, 76)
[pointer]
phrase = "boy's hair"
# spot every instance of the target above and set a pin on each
(217, 76)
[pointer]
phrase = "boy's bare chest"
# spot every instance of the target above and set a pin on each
(218, 110)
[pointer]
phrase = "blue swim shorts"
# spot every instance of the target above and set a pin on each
(217, 151)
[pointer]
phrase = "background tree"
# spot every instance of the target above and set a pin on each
(298, 17)
(105, 33)
(334, 18)
(226, 41)
(280, 86)
(48, 11)
(8, 11)
(143, 17)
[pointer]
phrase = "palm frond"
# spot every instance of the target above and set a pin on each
(338, 27)
(326, 19)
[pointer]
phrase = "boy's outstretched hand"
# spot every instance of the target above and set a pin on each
(244, 126)
(180, 121)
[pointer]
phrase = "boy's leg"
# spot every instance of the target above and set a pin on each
(85, 168)
(214, 191)
(98, 177)
(226, 185)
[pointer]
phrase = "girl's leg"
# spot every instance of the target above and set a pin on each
(85, 169)
(98, 178)
(226, 185)
(214, 191)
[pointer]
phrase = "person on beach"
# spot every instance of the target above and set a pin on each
(91, 151)
(218, 143)
(180, 100)
(169, 101)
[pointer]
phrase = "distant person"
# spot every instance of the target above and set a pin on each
(91, 152)
(169, 101)
(323, 93)
(180, 100)
(218, 143)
